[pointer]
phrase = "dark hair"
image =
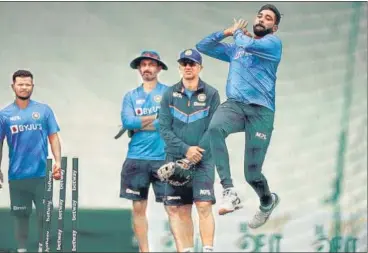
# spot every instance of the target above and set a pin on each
(272, 8)
(22, 73)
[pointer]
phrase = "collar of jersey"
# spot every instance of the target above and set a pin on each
(31, 102)
(157, 86)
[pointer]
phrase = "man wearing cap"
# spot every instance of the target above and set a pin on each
(250, 105)
(146, 148)
(186, 110)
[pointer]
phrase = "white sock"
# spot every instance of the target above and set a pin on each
(21, 250)
(208, 249)
(188, 250)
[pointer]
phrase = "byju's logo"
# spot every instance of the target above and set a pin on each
(22, 128)
(14, 129)
(146, 111)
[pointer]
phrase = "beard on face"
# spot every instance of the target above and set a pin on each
(23, 97)
(149, 77)
(260, 30)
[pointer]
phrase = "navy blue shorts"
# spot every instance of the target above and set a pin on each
(201, 188)
(136, 177)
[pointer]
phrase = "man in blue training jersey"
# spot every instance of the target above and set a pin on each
(250, 105)
(27, 125)
(146, 151)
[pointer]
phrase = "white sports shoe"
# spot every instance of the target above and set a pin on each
(230, 201)
(262, 216)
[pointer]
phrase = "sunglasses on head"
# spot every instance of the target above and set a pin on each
(186, 62)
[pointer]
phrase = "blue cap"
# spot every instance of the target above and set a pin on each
(148, 54)
(191, 54)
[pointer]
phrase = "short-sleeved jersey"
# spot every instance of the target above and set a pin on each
(26, 131)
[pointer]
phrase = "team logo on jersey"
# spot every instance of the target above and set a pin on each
(261, 135)
(23, 128)
(202, 97)
(14, 118)
(188, 52)
(177, 95)
(140, 101)
(146, 111)
(35, 115)
(241, 53)
(14, 129)
(138, 111)
(199, 104)
(157, 98)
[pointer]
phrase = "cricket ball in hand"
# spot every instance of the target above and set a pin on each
(57, 175)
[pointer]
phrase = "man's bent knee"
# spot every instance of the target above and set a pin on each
(216, 129)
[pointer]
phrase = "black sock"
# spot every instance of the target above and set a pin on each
(266, 200)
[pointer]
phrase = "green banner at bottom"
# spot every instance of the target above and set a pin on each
(98, 231)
